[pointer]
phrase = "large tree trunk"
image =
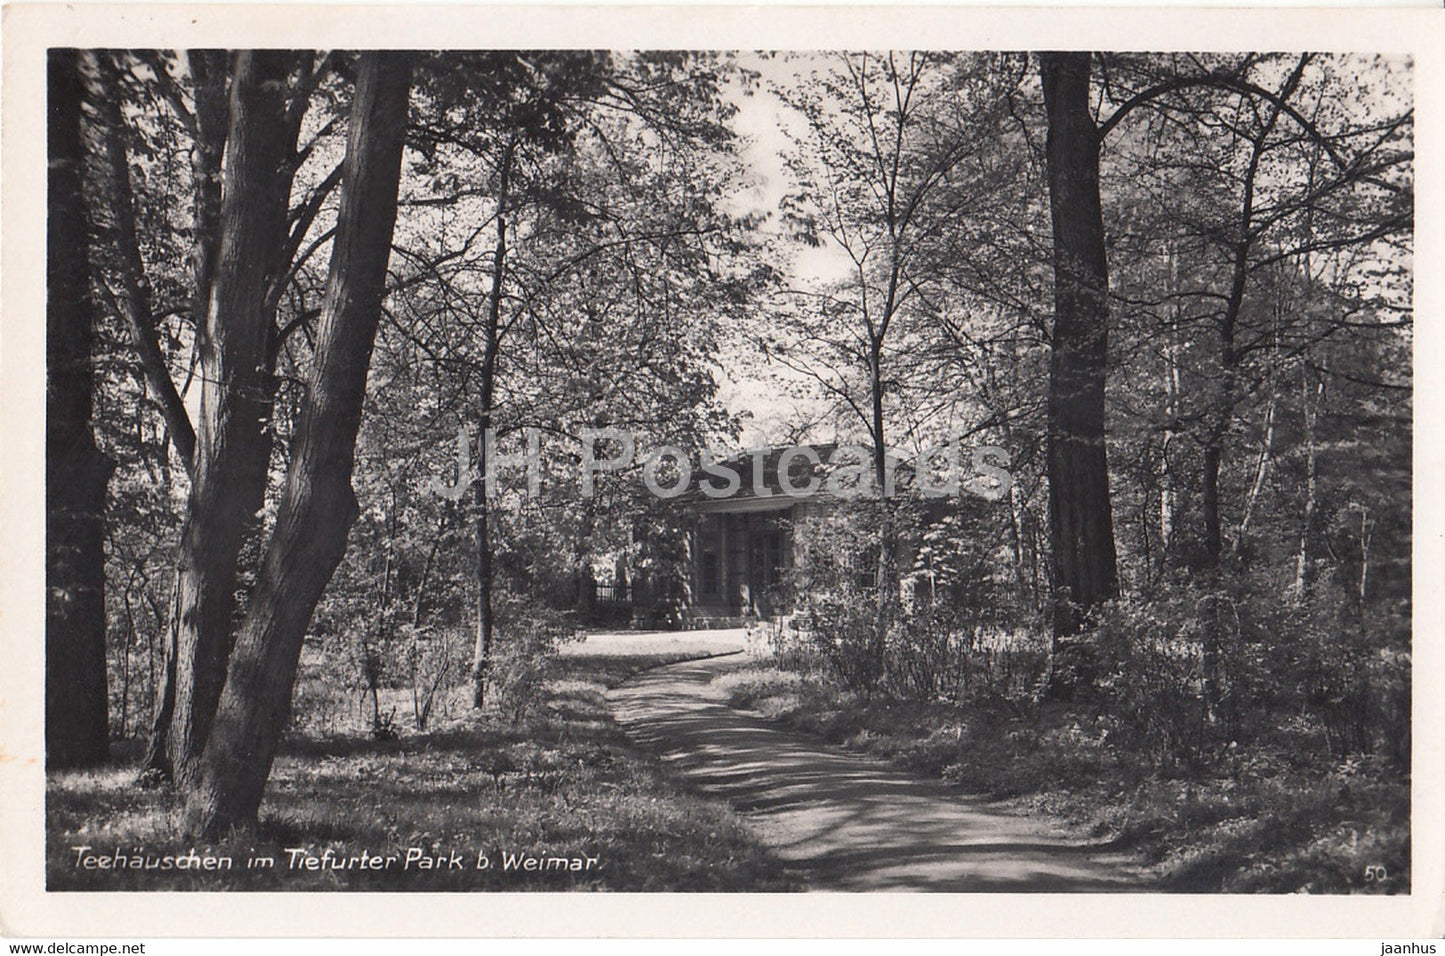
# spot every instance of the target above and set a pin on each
(76, 471)
(233, 442)
(319, 506)
(209, 75)
(1080, 518)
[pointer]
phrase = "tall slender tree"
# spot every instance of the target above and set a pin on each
(895, 152)
(556, 186)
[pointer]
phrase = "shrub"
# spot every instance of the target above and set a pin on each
(435, 658)
(528, 637)
(1350, 672)
(1149, 679)
(1185, 674)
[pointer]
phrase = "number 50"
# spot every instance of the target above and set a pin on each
(1376, 874)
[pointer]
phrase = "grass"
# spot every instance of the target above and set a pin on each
(1280, 817)
(613, 657)
(563, 784)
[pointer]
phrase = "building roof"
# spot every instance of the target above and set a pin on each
(759, 485)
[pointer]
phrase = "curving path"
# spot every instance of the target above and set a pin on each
(848, 821)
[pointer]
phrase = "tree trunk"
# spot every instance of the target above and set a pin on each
(486, 623)
(1016, 543)
(233, 441)
(1168, 491)
(209, 73)
(133, 294)
(1261, 469)
(420, 709)
(1311, 407)
(1367, 535)
(319, 506)
(76, 471)
(1222, 414)
(482, 649)
(886, 573)
(1080, 519)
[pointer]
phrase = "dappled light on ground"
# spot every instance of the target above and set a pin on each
(681, 644)
(849, 822)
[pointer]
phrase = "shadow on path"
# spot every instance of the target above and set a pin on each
(847, 821)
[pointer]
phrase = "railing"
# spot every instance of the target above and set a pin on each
(614, 594)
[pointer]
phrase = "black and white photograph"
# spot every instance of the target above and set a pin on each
(956, 468)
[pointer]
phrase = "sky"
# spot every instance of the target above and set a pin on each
(766, 124)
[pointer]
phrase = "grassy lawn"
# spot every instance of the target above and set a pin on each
(611, 658)
(563, 785)
(1278, 819)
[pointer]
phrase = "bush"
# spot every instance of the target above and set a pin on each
(435, 658)
(528, 637)
(929, 653)
(944, 653)
(1350, 672)
(1149, 680)
(1185, 674)
(949, 629)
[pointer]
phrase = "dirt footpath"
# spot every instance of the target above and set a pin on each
(847, 821)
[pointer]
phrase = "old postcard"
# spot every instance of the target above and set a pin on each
(747, 471)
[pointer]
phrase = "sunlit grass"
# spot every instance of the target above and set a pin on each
(564, 783)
